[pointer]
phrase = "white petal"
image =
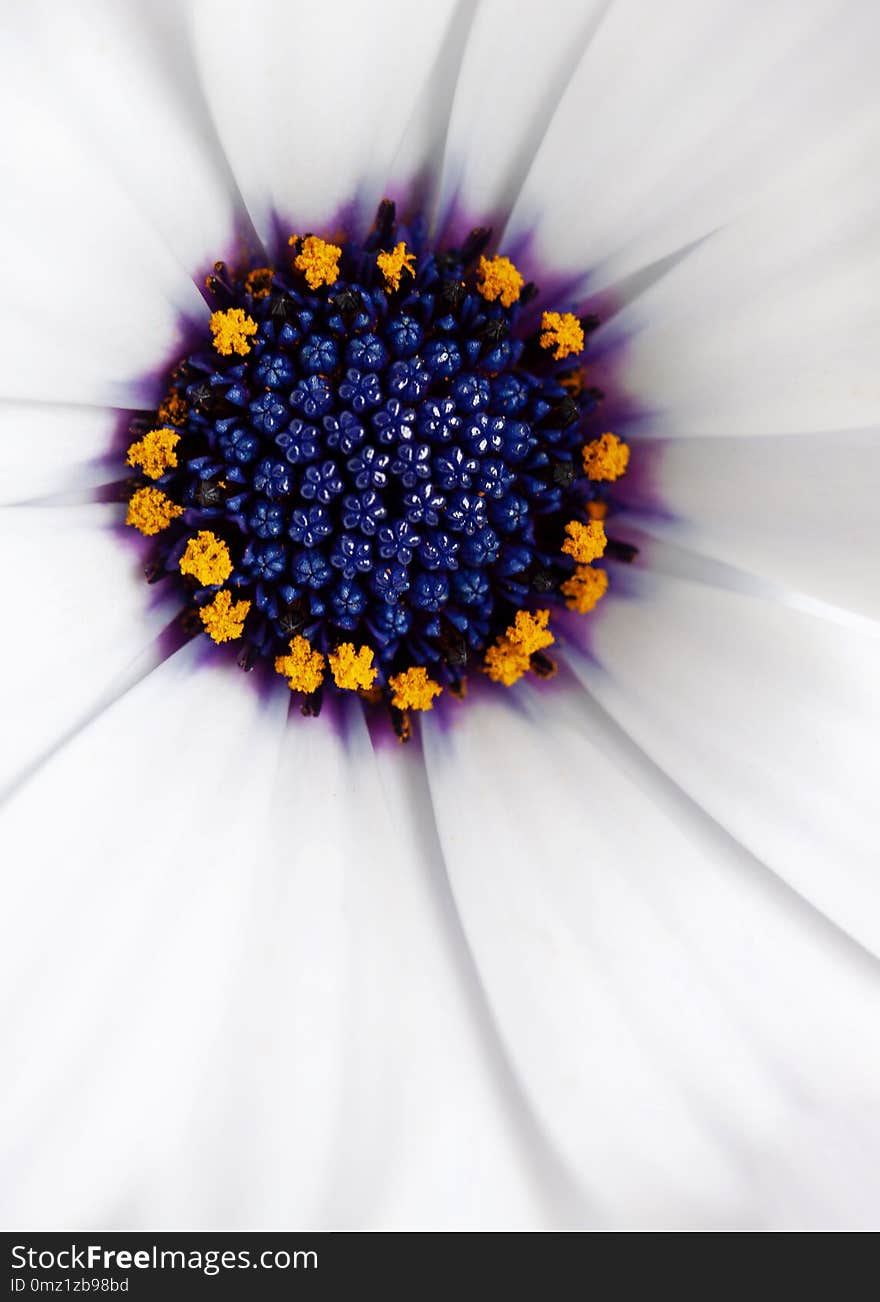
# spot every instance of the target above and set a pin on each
(46, 450)
(771, 325)
(735, 96)
(123, 75)
(350, 1026)
(419, 1042)
(801, 512)
(739, 236)
(240, 992)
(516, 65)
(312, 102)
(94, 296)
(685, 1029)
(81, 624)
(124, 885)
(765, 715)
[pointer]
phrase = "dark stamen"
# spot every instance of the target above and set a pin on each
(621, 551)
(475, 243)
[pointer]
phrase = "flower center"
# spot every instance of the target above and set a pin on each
(373, 474)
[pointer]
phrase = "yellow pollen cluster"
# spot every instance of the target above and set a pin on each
(505, 663)
(232, 330)
(224, 619)
(259, 281)
(606, 458)
(414, 690)
(317, 260)
(572, 381)
(585, 588)
(597, 510)
(352, 670)
(173, 409)
(585, 542)
(498, 278)
(303, 668)
(530, 631)
(393, 264)
(154, 453)
(150, 511)
(207, 559)
(564, 331)
(510, 657)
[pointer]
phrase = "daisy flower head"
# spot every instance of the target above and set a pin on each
(505, 375)
(377, 444)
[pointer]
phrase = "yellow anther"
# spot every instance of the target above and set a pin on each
(510, 657)
(303, 668)
(259, 281)
(585, 588)
(352, 670)
(585, 542)
(414, 690)
(224, 619)
(506, 663)
(572, 381)
(597, 510)
(394, 264)
(232, 330)
(150, 511)
(606, 457)
(563, 331)
(498, 278)
(173, 409)
(530, 631)
(318, 261)
(154, 453)
(207, 559)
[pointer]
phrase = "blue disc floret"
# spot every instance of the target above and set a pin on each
(375, 464)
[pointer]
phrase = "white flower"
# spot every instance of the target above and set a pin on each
(598, 959)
